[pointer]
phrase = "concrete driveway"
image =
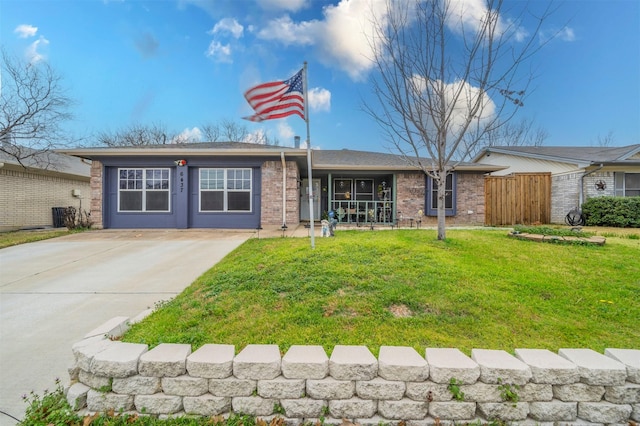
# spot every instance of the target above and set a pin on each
(54, 292)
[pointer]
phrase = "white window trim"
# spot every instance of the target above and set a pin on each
(225, 191)
(144, 190)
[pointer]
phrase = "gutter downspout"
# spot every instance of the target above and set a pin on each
(284, 191)
(581, 199)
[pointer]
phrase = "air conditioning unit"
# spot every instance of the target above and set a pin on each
(76, 193)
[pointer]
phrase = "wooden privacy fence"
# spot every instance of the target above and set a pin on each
(517, 199)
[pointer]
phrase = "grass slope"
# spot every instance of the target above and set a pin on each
(478, 289)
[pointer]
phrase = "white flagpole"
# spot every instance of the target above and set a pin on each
(306, 118)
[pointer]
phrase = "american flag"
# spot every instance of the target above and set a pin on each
(277, 99)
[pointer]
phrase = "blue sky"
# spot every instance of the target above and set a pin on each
(186, 63)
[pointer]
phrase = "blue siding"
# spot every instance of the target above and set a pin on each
(184, 203)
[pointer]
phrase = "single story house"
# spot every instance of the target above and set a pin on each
(44, 181)
(577, 173)
(242, 185)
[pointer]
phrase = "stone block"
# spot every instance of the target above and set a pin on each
(553, 411)
(211, 361)
(378, 421)
(481, 392)
(206, 405)
(115, 327)
(452, 410)
(303, 407)
(548, 367)
(430, 421)
(535, 392)
(604, 412)
(595, 368)
(137, 385)
(635, 413)
(579, 392)
(158, 403)
(105, 401)
(232, 387)
(93, 381)
(353, 408)
(379, 388)
(165, 360)
(253, 405)
(498, 366)
(85, 350)
(325, 421)
(118, 360)
(77, 396)
(185, 385)
(261, 362)
(428, 391)
(402, 363)
(506, 411)
(630, 358)
(446, 364)
(627, 394)
(305, 362)
(281, 387)
(404, 409)
(330, 388)
(352, 363)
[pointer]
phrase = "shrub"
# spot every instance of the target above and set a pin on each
(621, 212)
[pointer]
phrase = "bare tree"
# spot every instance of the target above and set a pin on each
(33, 108)
(606, 141)
(136, 135)
(230, 131)
(521, 133)
(445, 78)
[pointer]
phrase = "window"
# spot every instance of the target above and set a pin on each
(364, 189)
(224, 190)
(342, 189)
(143, 190)
(627, 184)
(431, 196)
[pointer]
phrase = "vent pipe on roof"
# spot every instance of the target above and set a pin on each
(296, 142)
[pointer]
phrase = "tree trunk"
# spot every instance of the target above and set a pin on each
(442, 187)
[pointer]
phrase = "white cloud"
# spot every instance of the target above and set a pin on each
(228, 25)
(290, 5)
(258, 136)
(459, 98)
(219, 52)
(287, 32)
(188, 135)
(285, 133)
(320, 99)
(25, 30)
(34, 53)
(567, 34)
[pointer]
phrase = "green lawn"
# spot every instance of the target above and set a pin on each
(12, 238)
(478, 289)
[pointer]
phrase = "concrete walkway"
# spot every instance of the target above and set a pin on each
(53, 292)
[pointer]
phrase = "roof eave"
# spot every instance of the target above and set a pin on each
(193, 152)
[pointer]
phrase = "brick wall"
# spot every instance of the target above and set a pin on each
(26, 198)
(470, 198)
(574, 386)
(271, 204)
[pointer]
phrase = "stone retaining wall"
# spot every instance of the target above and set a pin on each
(575, 386)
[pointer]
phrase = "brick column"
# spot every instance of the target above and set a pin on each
(96, 194)
(271, 202)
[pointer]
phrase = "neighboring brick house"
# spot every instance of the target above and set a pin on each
(30, 190)
(250, 186)
(577, 173)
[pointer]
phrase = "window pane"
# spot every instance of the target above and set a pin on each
(239, 201)
(158, 201)
(632, 180)
(131, 201)
(212, 201)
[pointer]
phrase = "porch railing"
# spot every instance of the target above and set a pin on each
(363, 212)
